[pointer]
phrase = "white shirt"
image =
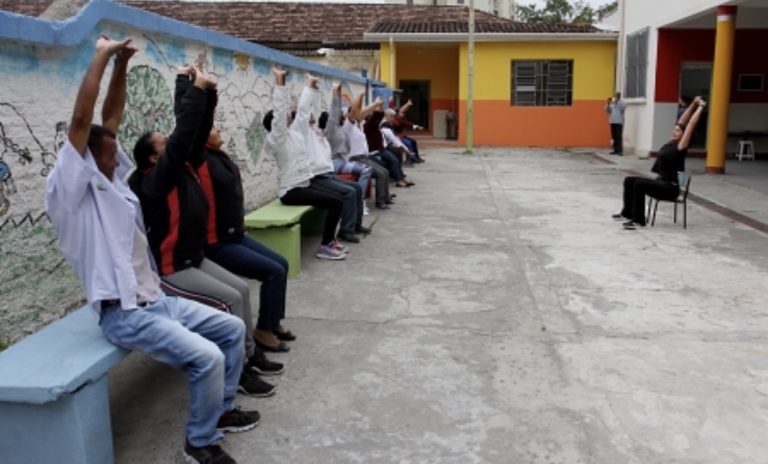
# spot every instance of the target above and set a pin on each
(95, 219)
(391, 139)
(286, 144)
(319, 152)
(358, 144)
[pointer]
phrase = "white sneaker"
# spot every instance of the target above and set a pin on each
(326, 252)
(366, 211)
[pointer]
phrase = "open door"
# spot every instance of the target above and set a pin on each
(696, 79)
(418, 93)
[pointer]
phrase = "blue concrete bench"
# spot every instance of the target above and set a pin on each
(54, 399)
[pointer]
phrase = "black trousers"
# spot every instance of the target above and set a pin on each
(617, 134)
(319, 198)
(635, 190)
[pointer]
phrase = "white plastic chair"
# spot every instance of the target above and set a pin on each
(746, 149)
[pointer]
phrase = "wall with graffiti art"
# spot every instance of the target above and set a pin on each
(42, 64)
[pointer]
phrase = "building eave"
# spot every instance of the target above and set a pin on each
(494, 37)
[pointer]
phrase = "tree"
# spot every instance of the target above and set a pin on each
(563, 11)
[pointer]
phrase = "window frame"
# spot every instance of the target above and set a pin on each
(636, 67)
(546, 87)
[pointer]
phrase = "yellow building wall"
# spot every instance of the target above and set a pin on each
(497, 122)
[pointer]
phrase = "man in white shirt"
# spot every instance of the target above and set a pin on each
(101, 233)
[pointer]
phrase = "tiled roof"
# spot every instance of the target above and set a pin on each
(461, 27)
(283, 25)
(25, 7)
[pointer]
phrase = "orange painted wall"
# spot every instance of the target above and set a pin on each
(584, 124)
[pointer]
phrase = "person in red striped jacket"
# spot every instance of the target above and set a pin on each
(176, 213)
(228, 246)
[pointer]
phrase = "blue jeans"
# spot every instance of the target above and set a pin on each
(360, 170)
(250, 259)
(205, 343)
(388, 160)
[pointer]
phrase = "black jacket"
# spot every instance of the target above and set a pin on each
(175, 207)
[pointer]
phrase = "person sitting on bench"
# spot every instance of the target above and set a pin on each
(176, 213)
(99, 224)
(287, 146)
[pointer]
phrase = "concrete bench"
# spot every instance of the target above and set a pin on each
(280, 227)
(54, 399)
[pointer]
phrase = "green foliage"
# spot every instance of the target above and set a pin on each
(4, 343)
(563, 11)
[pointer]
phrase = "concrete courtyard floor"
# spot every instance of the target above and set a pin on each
(498, 315)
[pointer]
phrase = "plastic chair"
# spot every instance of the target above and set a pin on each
(684, 181)
(746, 149)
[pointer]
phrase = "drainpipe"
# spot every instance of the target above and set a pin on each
(471, 81)
(392, 63)
(620, 48)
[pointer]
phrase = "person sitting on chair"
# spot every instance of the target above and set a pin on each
(670, 160)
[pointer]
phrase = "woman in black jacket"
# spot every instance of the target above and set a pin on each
(670, 160)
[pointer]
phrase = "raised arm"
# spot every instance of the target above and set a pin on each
(185, 76)
(82, 115)
(685, 140)
(188, 120)
(375, 106)
(332, 128)
(404, 109)
(114, 103)
(280, 97)
(306, 100)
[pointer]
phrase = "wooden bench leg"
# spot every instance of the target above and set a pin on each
(283, 240)
(75, 429)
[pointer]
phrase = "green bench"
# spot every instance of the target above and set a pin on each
(280, 227)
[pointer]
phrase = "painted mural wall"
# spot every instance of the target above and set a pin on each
(42, 65)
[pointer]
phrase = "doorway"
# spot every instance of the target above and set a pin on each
(696, 79)
(418, 93)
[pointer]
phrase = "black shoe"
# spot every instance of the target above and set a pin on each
(382, 205)
(618, 217)
(259, 364)
(211, 454)
(361, 229)
(286, 336)
(349, 237)
(238, 420)
(632, 225)
(279, 348)
(252, 385)
(390, 201)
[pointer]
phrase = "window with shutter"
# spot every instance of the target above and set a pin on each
(542, 83)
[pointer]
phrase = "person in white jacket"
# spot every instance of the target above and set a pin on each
(320, 164)
(288, 146)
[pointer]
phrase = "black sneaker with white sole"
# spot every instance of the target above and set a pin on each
(618, 217)
(252, 385)
(238, 420)
(211, 454)
(259, 364)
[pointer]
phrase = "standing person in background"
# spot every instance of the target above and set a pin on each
(615, 107)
